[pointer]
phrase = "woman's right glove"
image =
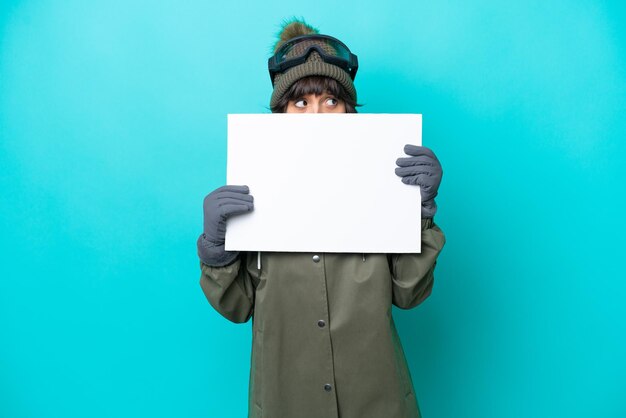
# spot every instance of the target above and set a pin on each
(219, 205)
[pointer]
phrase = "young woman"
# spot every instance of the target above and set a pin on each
(324, 340)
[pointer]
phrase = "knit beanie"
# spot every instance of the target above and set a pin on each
(313, 66)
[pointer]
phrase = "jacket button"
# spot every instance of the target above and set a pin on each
(328, 387)
(321, 323)
(316, 258)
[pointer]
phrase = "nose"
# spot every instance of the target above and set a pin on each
(315, 108)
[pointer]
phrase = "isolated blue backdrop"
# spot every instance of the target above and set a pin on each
(112, 130)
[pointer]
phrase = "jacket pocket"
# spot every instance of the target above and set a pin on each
(412, 406)
(401, 363)
(257, 412)
(257, 371)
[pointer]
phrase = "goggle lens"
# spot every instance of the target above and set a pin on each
(297, 49)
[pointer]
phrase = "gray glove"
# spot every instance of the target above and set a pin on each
(219, 205)
(424, 170)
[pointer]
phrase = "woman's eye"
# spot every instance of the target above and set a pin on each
(300, 103)
(332, 101)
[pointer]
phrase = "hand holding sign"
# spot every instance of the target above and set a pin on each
(219, 205)
(422, 169)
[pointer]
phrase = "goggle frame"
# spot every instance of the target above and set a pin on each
(276, 66)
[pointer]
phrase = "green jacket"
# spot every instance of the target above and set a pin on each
(324, 340)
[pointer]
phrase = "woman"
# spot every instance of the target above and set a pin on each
(324, 340)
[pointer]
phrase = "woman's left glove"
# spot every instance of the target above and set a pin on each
(422, 168)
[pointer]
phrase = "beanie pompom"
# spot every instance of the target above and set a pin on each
(292, 28)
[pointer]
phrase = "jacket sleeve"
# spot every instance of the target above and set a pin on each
(413, 274)
(229, 289)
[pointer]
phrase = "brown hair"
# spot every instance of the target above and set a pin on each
(315, 85)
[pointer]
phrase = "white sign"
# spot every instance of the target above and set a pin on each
(324, 183)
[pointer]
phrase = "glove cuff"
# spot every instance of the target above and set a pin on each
(429, 208)
(214, 255)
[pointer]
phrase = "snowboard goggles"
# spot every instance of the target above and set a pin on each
(296, 51)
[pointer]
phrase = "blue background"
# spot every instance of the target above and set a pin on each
(112, 130)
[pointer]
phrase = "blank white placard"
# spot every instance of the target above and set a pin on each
(324, 183)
